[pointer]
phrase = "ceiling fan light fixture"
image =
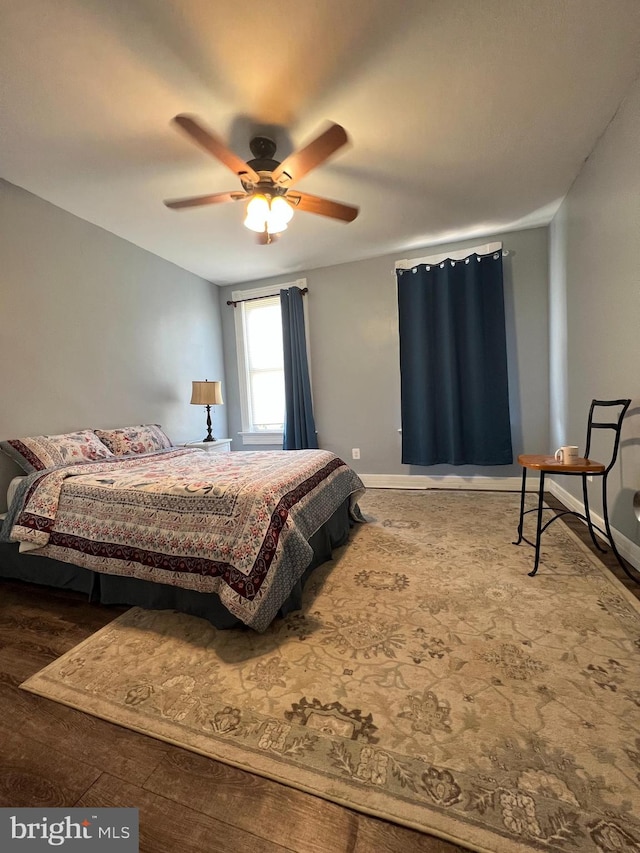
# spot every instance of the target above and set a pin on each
(257, 213)
(258, 207)
(271, 215)
(281, 210)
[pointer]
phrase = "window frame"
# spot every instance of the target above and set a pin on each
(249, 435)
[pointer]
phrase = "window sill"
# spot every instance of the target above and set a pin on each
(262, 437)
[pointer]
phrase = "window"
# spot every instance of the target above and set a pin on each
(263, 363)
(260, 363)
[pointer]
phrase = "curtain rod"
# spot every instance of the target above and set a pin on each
(235, 302)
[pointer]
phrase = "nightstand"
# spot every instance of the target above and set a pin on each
(220, 445)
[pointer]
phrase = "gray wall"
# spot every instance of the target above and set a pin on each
(95, 332)
(355, 355)
(595, 304)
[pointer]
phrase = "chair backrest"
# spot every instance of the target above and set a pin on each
(607, 408)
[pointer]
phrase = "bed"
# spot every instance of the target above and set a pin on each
(231, 537)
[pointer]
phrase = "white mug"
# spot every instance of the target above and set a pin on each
(567, 455)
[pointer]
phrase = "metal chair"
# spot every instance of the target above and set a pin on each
(582, 467)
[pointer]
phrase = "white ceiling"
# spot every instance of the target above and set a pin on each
(466, 117)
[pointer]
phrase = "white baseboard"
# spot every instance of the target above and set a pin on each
(628, 549)
(450, 481)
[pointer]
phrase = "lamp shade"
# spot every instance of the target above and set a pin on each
(206, 393)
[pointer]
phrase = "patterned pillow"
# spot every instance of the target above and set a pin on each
(38, 452)
(145, 438)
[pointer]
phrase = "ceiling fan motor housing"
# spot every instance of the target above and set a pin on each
(263, 148)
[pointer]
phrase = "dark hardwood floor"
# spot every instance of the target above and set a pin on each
(51, 755)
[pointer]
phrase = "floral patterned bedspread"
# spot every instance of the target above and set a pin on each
(236, 524)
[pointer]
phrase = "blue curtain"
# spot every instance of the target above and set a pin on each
(453, 363)
(299, 425)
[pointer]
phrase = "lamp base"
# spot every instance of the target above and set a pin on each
(209, 436)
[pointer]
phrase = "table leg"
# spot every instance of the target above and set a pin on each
(522, 494)
(538, 526)
(587, 512)
(605, 512)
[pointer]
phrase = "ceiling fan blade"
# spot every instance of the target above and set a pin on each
(296, 165)
(323, 206)
(198, 200)
(214, 145)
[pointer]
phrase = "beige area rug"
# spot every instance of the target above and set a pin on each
(428, 681)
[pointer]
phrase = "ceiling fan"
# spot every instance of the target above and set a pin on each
(266, 182)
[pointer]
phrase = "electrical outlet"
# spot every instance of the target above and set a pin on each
(355, 453)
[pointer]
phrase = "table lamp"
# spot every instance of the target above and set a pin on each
(207, 394)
